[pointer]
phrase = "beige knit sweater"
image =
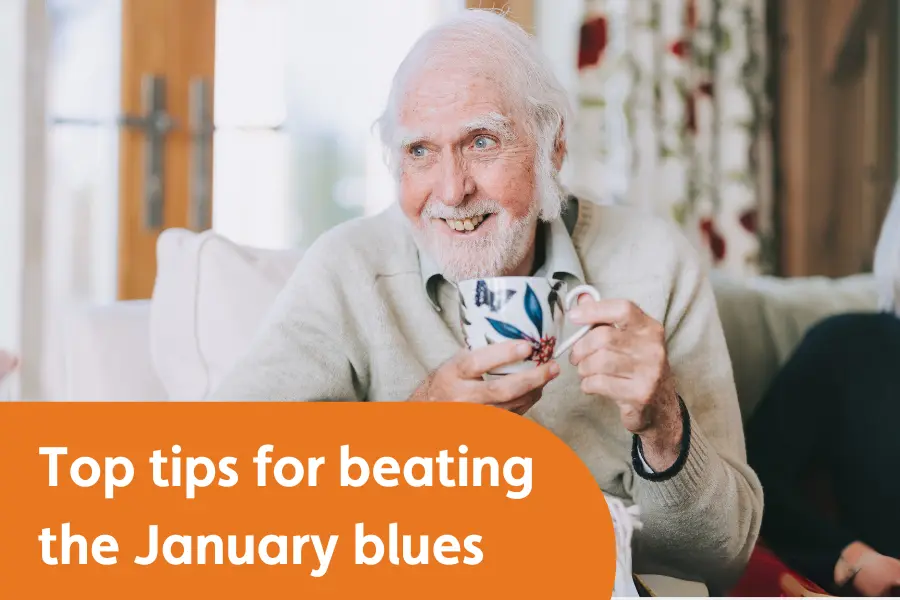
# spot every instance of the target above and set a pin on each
(355, 323)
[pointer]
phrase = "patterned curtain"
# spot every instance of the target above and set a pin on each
(673, 116)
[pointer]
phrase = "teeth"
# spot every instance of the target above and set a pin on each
(466, 224)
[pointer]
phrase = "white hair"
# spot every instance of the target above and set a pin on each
(485, 42)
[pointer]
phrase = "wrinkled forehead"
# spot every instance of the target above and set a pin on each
(445, 104)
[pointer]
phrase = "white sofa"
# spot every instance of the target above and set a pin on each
(211, 295)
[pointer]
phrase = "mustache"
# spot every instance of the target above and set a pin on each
(437, 210)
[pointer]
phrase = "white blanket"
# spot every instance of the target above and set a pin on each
(625, 521)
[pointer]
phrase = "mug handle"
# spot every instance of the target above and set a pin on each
(571, 298)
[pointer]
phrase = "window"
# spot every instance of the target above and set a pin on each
(298, 87)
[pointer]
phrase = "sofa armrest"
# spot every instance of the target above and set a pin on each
(108, 355)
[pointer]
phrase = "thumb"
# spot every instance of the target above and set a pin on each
(584, 299)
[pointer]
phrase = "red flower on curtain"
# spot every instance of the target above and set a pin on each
(679, 48)
(592, 42)
(748, 220)
(713, 238)
(682, 49)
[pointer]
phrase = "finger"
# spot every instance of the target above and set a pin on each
(608, 361)
(523, 404)
(512, 387)
(473, 364)
(594, 340)
(619, 313)
(584, 297)
(635, 417)
(608, 386)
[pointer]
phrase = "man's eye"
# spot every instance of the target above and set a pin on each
(418, 151)
(483, 142)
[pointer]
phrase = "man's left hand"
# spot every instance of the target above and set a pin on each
(624, 358)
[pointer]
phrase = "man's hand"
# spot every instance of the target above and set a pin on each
(624, 359)
(461, 379)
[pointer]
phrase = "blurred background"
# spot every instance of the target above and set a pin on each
(767, 128)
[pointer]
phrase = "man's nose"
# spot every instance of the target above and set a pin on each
(455, 184)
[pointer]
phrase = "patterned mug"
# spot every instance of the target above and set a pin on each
(502, 309)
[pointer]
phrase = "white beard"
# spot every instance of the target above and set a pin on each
(488, 256)
(496, 254)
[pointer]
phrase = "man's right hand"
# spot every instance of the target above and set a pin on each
(461, 379)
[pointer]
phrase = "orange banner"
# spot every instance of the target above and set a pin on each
(294, 500)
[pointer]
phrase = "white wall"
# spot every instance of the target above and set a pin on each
(12, 65)
(22, 35)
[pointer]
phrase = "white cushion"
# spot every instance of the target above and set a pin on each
(210, 296)
(794, 305)
(108, 355)
(765, 318)
(750, 347)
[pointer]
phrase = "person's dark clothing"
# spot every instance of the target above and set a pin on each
(834, 408)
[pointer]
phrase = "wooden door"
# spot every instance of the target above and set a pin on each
(174, 41)
(836, 113)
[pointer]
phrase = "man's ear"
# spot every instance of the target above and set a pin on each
(559, 147)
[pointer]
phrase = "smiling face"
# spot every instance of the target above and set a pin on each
(467, 175)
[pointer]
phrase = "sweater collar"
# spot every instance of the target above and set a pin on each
(560, 257)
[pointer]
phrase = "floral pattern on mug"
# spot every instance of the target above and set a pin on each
(543, 345)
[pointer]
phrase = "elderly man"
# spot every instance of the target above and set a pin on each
(475, 128)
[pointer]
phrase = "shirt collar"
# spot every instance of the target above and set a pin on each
(560, 257)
